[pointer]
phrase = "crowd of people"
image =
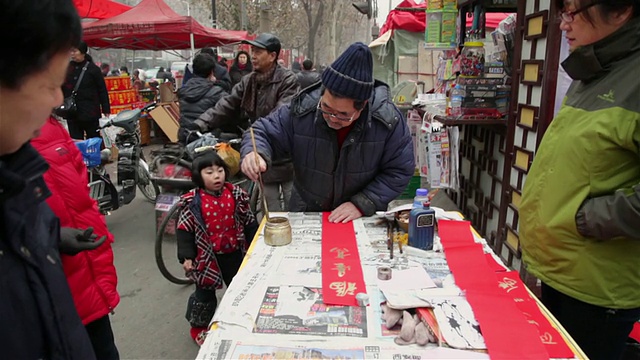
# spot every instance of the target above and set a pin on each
(351, 153)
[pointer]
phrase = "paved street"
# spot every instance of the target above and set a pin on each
(149, 322)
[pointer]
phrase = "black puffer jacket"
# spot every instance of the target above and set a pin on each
(38, 319)
(307, 78)
(196, 97)
(92, 99)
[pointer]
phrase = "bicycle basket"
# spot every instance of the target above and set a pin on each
(90, 150)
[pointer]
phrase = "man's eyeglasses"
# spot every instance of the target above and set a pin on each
(332, 115)
(569, 16)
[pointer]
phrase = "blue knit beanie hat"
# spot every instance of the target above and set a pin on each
(351, 74)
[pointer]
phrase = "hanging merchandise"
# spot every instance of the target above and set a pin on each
(440, 30)
(439, 159)
(472, 59)
(434, 104)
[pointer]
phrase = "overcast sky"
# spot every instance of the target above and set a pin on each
(383, 9)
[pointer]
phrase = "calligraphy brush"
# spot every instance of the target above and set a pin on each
(255, 151)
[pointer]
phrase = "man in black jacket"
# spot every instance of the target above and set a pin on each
(220, 72)
(268, 87)
(38, 319)
(201, 93)
(307, 76)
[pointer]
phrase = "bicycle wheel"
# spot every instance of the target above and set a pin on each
(149, 188)
(166, 248)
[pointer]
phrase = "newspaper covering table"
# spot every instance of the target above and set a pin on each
(273, 309)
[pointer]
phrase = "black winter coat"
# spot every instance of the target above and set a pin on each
(38, 319)
(196, 97)
(237, 74)
(92, 99)
(307, 78)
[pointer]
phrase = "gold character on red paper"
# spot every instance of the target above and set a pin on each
(341, 253)
(547, 338)
(343, 288)
(508, 284)
(342, 269)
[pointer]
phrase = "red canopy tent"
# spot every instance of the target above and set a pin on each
(99, 9)
(415, 20)
(153, 25)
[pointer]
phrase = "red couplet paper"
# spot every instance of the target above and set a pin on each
(635, 333)
(505, 329)
(511, 284)
(342, 276)
(493, 264)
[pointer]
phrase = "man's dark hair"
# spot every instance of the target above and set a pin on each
(124, 69)
(161, 69)
(33, 31)
(203, 65)
(357, 104)
(307, 64)
(104, 66)
(211, 51)
(205, 160)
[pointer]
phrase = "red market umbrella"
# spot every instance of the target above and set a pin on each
(153, 25)
(99, 9)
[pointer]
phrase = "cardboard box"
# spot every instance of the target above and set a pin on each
(450, 4)
(167, 116)
(435, 5)
(448, 28)
(434, 27)
(167, 92)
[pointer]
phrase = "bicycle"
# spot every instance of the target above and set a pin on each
(165, 249)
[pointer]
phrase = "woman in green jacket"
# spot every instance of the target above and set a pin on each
(580, 212)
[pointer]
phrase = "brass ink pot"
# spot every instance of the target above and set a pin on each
(277, 231)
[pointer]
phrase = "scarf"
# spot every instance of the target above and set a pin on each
(250, 96)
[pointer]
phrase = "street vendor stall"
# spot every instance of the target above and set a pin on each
(323, 296)
(153, 25)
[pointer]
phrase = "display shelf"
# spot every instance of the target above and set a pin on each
(470, 120)
(491, 5)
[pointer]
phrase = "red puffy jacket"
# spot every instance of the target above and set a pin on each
(91, 274)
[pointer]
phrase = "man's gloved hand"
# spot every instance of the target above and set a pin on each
(73, 241)
(192, 126)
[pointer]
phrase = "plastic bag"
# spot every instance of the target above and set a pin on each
(230, 156)
(201, 144)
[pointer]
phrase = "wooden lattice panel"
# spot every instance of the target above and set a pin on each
(482, 159)
(536, 56)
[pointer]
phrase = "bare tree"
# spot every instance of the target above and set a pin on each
(314, 9)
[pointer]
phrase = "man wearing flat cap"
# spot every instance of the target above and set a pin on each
(351, 147)
(256, 95)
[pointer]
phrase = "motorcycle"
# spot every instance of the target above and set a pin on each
(132, 168)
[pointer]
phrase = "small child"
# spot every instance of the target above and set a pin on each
(214, 231)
